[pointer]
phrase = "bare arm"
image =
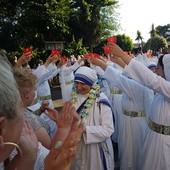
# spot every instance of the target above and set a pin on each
(62, 155)
(64, 121)
(118, 52)
(118, 61)
(23, 59)
(51, 59)
(98, 62)
(43, 137)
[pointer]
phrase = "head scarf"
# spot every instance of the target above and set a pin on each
(150, 64)
(86, 75)
(166, 63)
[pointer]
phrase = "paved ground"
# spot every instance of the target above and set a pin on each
(58, 103)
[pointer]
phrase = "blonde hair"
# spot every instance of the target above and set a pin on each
(25, 78)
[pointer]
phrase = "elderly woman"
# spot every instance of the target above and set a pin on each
(27, 81)
(95, 150)
(156, 149)
(23, 138)
(11, 123)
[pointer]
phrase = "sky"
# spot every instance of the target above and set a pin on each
(141, 14)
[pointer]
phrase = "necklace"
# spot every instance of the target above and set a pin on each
(91, 97)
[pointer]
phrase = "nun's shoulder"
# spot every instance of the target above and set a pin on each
(103, 96)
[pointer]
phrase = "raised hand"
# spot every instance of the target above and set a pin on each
(51, 59)
(64, 120)
(62, 155)
(24, 59)
(44, 105)
(97, 62)
(118, 52)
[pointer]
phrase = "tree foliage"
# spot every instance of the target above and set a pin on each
(164, 31)
(86, 20)
(139, 37)
(74, 48)
(153, 31)
(31, 23)
(155, 43)
(123, 41)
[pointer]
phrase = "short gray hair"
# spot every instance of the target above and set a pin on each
(9, 94)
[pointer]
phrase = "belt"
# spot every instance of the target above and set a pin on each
(69, 82)
(162, 129)
(44, 97)
(133, 114)
(115, 91)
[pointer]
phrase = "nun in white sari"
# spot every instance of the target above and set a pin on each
(95, 151)
(156, 149)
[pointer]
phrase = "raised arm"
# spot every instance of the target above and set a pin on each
(119, 53)
(25, 58)
(64, 121)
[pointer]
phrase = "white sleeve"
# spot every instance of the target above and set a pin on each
(40, 71)
(101, 132)
(132, 88)
(142, 74)
(68, 70)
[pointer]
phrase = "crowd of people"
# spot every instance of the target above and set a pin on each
(116, 99)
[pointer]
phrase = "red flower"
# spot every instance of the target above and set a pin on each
(26, 50)
(64, 59)
(55, 52)
(93, 55)
(96, 55)
(112, 39)
(106, 50)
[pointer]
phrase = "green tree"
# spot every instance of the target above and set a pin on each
(153, 31)
(86, 20)
(30, 23)
(109, 21)
(155, 43)
(125, 42)
(164, 31)
(74, 48)
(139, 38)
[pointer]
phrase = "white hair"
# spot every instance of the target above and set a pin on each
(9, 93)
